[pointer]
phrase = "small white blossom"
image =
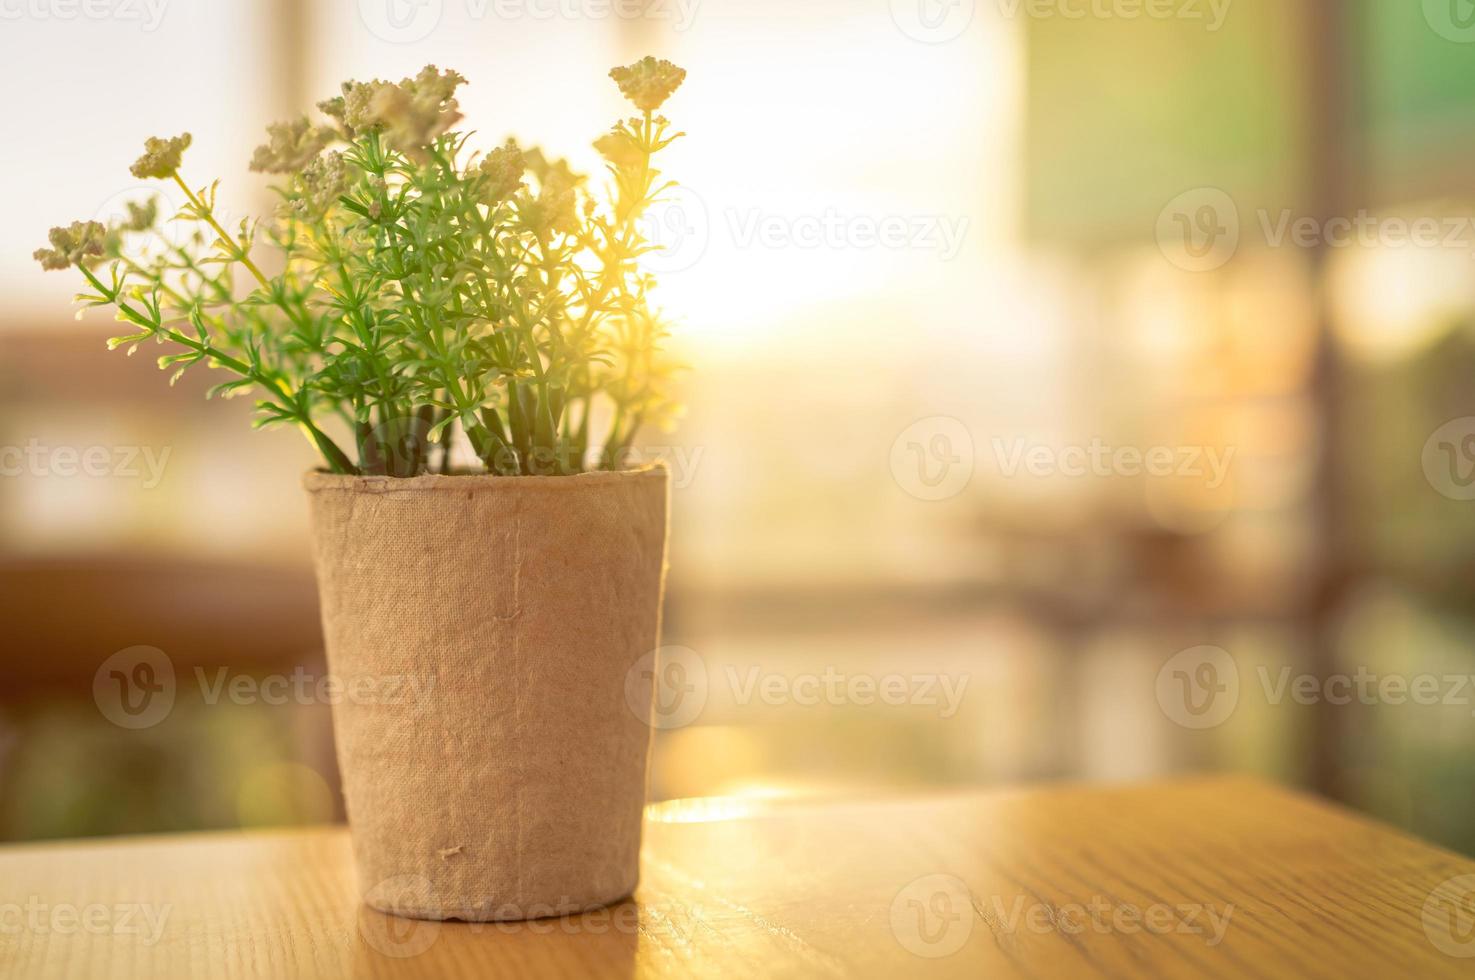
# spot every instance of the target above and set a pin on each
(161, 157)
(324, 180)
(80, 243)
(648, 82)
(290, 146)
(410, 114)
(503, 168)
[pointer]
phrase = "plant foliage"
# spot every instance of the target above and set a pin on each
(413, 290)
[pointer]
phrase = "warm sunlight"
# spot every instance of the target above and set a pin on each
(709, 488)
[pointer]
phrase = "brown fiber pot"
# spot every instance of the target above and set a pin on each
(491, 713)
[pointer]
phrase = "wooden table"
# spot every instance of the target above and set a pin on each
(1201, 878)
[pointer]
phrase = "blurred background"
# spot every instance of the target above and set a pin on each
(1041, 350)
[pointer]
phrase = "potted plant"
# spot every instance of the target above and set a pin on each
(410, 296)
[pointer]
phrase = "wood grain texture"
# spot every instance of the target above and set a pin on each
(1201, 878)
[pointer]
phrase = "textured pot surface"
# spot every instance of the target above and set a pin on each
(483, 630)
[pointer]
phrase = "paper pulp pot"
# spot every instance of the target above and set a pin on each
(485, 635)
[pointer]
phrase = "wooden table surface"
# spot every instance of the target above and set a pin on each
(1199, 878)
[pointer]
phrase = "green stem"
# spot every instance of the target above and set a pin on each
(335, 457)
(225, 239)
